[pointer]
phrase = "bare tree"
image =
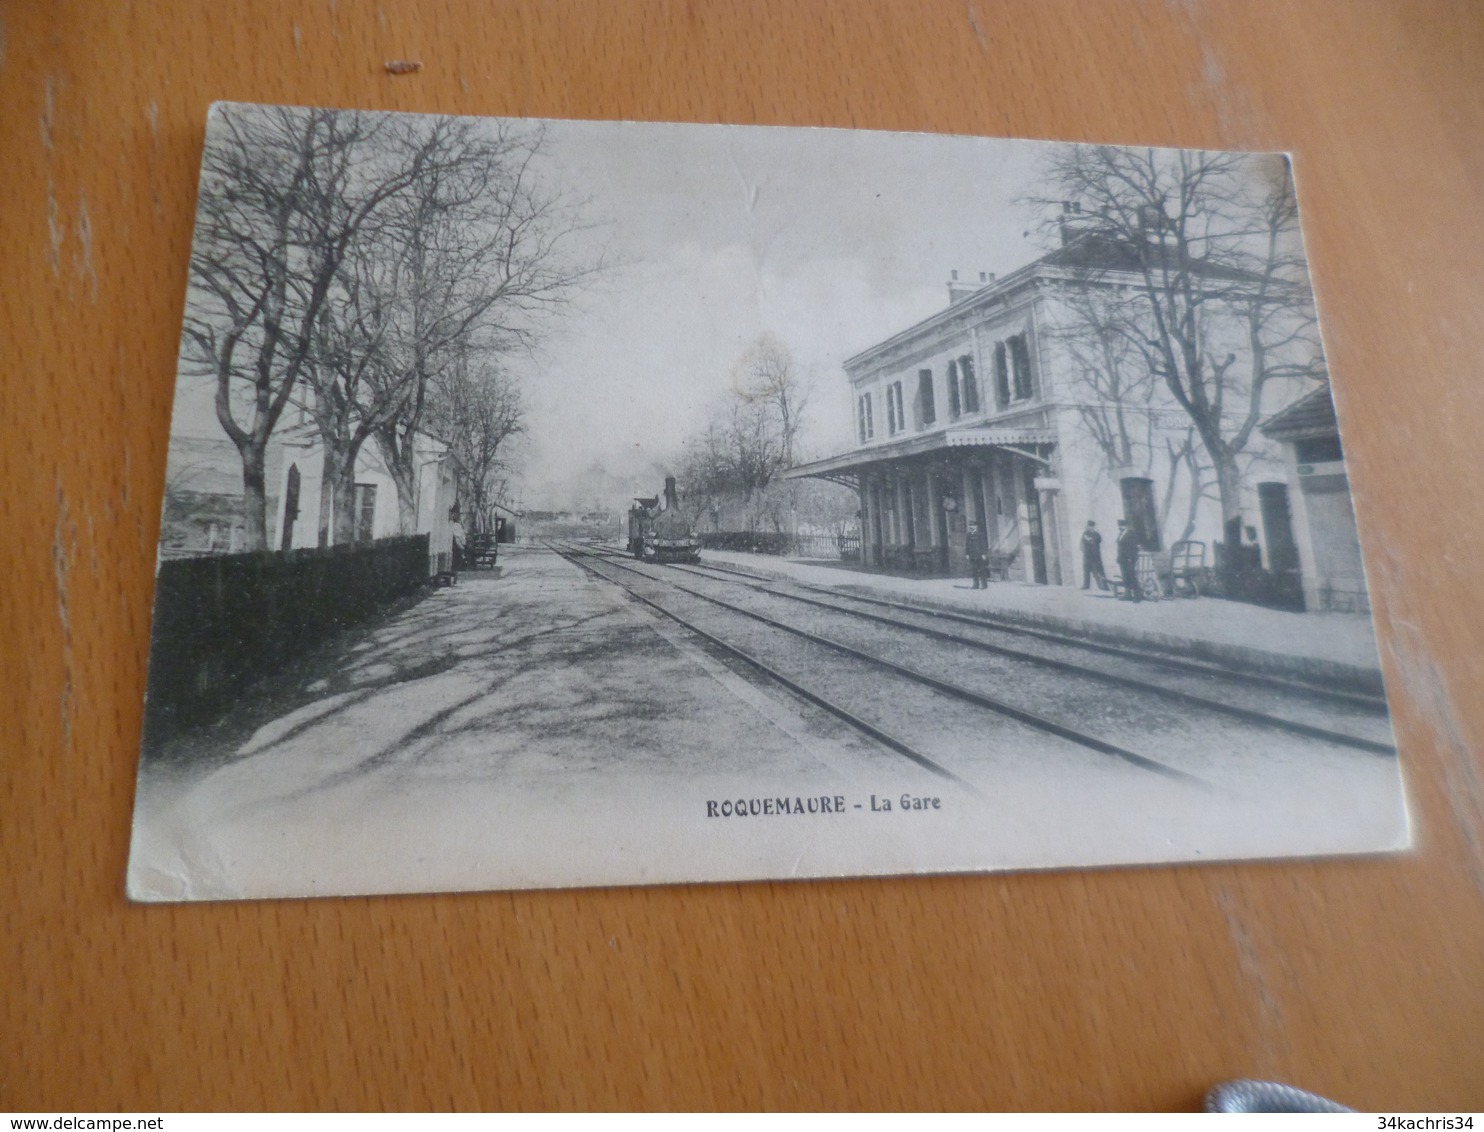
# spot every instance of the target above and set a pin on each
(460, 262)
(284, 194)
(339, 395)
(1117, 400)
(755, 445)
(350, 260)
(1218, 306)
(705, 470)
(765, 375)
(1184, 456)
(484, 248)
(476, 412)
(731, 467)
(1113, 386)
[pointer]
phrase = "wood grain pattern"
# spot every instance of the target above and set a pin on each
(1359, 979)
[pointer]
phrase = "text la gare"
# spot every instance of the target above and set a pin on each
(905, 802)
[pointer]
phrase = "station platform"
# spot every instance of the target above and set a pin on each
(1337, 649)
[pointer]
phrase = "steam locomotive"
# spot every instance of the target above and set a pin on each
(662, 534)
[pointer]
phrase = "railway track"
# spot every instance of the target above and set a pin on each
(1375, 705)
(849, 605)
(586, 556)
(1176, 695)
(580, 558)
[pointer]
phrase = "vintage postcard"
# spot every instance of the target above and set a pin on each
(590, 503)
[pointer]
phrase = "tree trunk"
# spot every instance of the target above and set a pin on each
(326, 503)
(345, 502)
(403, 470)
(340, 473)
(1192, 514)
(399, 456)
(1229, 484)
(254, 497)
(406, 502)
(1193, 507)
(336, 492)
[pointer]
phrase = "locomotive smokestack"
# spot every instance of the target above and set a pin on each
(672, 497)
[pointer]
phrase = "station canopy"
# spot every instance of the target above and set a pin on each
(847, 467)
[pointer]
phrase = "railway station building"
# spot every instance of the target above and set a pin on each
(299, 507)
(1326, 546)
(203, 510)
(986, 412)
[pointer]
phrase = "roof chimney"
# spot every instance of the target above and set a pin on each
(958, 291)
(1072, 222)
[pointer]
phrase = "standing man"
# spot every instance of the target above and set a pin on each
(1128, 560)
(1092, 557)
(976, 546)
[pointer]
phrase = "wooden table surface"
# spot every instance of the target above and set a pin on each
(1360, 979)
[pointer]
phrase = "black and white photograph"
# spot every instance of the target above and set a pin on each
(563, 504)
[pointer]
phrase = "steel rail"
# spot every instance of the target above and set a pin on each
(1248, 715)
(885, 738)
(989, 621)
(957, 691)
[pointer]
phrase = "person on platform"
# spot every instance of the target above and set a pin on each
(1092, 557)
(976, 546)
(1128, 560)
(456, 534)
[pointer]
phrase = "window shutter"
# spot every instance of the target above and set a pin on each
(927, 410)
(1021, 363)
(1001, 376)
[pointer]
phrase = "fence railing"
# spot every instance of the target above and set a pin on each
(223, 621)
(827, 546)
(844, 547)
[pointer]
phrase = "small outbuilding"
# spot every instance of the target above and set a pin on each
(1318, 497)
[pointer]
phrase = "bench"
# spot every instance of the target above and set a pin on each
(481, 552)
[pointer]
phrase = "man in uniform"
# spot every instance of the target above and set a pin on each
(1092, 557)
(1128, 560)
(976, 546)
